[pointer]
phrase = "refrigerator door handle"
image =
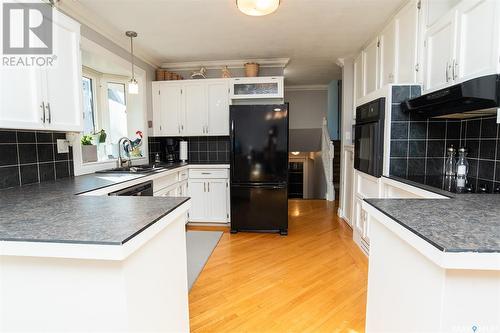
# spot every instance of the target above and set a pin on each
(232, 149)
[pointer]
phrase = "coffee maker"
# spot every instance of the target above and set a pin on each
(171, 145)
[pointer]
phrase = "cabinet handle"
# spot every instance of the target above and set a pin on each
(182, 128)
(208, 184)
(455, 69)
(43, 111)
(179, 128)
(50, 115)
(204, 187)
(447, 71)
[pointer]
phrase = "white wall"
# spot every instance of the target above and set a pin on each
(307, 107)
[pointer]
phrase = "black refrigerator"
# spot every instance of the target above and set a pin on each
(259, 168)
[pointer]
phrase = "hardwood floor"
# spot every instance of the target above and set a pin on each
(313, 280)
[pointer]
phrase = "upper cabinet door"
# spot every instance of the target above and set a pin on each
(21, 98)
(371, 67)
(195, 109)
(218, 107)
(388, 54)
(170, 109)
(407, 22)
(359, 85)
(156, 104)
(64, 79)
(478, 35)
(440, 52)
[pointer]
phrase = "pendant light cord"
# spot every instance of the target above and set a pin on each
(132, 53)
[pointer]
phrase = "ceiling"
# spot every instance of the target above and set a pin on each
(312, 33)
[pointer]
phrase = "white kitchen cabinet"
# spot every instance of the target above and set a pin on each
(209, 200)
(440, 44)
(167, 105)
(463, 44)
(195, 109)
(217, 210)
(359, 86)
(64, 80)
(197, 189)
(478, 27)
(371, 68)
(191, 107)
(21, 98)
(46, 98)
(407, 51)
(257, 87)
(209, 191)
(218, 107)
(388, 70)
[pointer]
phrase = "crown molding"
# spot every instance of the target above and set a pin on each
(312, 87)
(87, 17)
(218, 64)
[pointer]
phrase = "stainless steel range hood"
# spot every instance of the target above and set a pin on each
(470, 99)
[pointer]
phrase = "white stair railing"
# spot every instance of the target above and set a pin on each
(327, 155)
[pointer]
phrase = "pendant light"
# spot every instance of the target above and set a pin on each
(257, 7)
(133, 85)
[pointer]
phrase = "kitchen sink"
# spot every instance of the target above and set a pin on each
(133, 169)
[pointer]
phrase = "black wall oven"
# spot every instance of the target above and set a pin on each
(369, 138)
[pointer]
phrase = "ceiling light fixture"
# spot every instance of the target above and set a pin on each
(295, 153)
(133, 85)
(257, 7)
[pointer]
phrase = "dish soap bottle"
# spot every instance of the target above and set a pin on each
(462, 170)
(450, 171)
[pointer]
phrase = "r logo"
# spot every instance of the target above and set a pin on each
(27, 28)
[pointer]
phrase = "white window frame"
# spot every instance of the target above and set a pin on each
(81, 168)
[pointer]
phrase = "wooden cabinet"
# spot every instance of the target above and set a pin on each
(371, 68)
(191, 107)
(463, 44)
(46, 98)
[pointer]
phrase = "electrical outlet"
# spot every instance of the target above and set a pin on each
(62, 146)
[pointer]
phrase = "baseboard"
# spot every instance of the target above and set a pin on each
(206, 226)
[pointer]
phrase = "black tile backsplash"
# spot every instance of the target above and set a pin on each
(418, 144)
(28, 157)
(201, 149)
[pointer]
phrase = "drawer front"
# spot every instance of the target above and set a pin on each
(165, 181)
(183, 175)
(208, 173)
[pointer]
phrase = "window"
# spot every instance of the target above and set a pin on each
(117, 108)
(89, 118)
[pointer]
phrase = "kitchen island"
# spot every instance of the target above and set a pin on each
(434, 264)
(92, 263)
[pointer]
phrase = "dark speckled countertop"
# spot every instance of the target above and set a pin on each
(462, 223)
(51, 212)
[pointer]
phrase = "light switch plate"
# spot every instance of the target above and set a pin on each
(62, 146)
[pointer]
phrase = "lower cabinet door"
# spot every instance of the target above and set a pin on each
(217, 200)
(197, 190)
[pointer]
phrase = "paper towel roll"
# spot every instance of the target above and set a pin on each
(183, 151)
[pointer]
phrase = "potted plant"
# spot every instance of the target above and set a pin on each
(89, 151)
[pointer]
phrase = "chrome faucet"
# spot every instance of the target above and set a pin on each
(122, 161)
